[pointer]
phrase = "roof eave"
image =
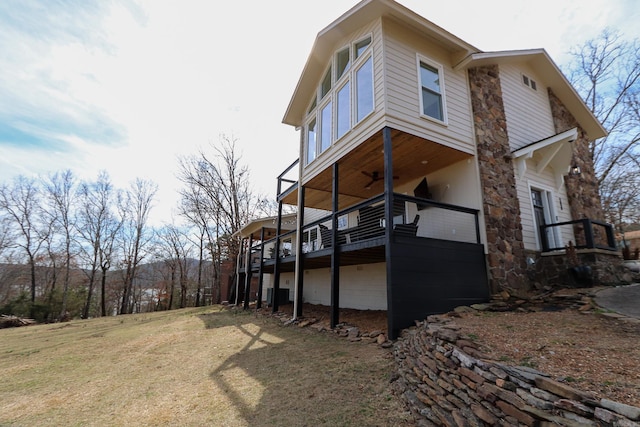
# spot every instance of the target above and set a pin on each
(356, 17)
(554, 78)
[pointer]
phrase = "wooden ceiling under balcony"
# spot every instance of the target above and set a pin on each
(413, 157)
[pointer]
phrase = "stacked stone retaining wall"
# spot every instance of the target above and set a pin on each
(446, 381)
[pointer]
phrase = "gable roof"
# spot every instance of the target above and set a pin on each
(553, 78)
(358, 16)
(468, 55)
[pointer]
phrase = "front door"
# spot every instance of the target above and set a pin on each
(541, 212)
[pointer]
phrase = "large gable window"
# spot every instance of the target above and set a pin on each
(431, 91)
(361, 46)
(325, 87)
(364, 90)
(311, 141)
(344, 97)
(343, 61)
(343, 112)
(326, 126)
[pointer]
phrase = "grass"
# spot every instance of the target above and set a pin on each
(191, 367)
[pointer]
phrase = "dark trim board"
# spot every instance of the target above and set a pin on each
(431, 276)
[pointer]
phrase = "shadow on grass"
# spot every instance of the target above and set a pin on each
(291, 376)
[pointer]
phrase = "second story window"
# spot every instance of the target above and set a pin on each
(344, 97)
(325, 87)
(342, 62)
(431, 88)
(364, 90)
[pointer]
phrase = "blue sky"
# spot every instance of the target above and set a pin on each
(129, 85)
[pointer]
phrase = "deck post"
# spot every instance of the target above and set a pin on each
(335, 254)
(299, 282)
(276, 266)
(260, 278)
(247, 273)
(388, 231)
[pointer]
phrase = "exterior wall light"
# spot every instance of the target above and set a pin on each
(575, 170)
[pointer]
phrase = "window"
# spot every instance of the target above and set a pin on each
(325, 131)
(342, 62)
(344, 97)
(313, 104)
(431, 89)
(527, 81)
(343, 113)
(325, 88)
(543, 214)
(361, 46)
(364, 90)
(311, 141)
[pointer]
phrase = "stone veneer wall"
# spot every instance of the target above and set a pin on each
(556, 271)
(506, 256)
(582, 190)
(445, 381)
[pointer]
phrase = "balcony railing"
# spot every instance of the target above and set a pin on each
(589, 234)
(366, 221)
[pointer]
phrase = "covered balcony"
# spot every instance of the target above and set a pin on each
(389, 200)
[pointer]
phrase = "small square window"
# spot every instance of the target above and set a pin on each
(529, 82)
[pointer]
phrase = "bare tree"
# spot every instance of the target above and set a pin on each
(179, 248)
(20, 203)
(60, 194)
(218, 194)
(202, 213)
(606, 72)
(134, 206)
(97, 229)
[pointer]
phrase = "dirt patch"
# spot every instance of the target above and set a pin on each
(586, 350)
(364, 320)
(573, 342)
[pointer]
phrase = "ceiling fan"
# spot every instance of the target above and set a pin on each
(375, 176)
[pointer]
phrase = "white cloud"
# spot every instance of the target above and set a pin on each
(142, 82)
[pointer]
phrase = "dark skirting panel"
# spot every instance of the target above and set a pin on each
(431, 276)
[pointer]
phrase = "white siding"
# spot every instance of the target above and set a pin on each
(401, 48)
(528, 112)
(544, 181)
(362, 287)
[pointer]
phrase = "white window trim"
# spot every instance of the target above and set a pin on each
(443, 96)
(550, 211)
(530, 85)
(310, 118)
(348, 81)
(338, 80)
(328, 99)
(331, 96)
(354, 111)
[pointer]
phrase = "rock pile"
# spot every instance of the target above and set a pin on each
(446, 381)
